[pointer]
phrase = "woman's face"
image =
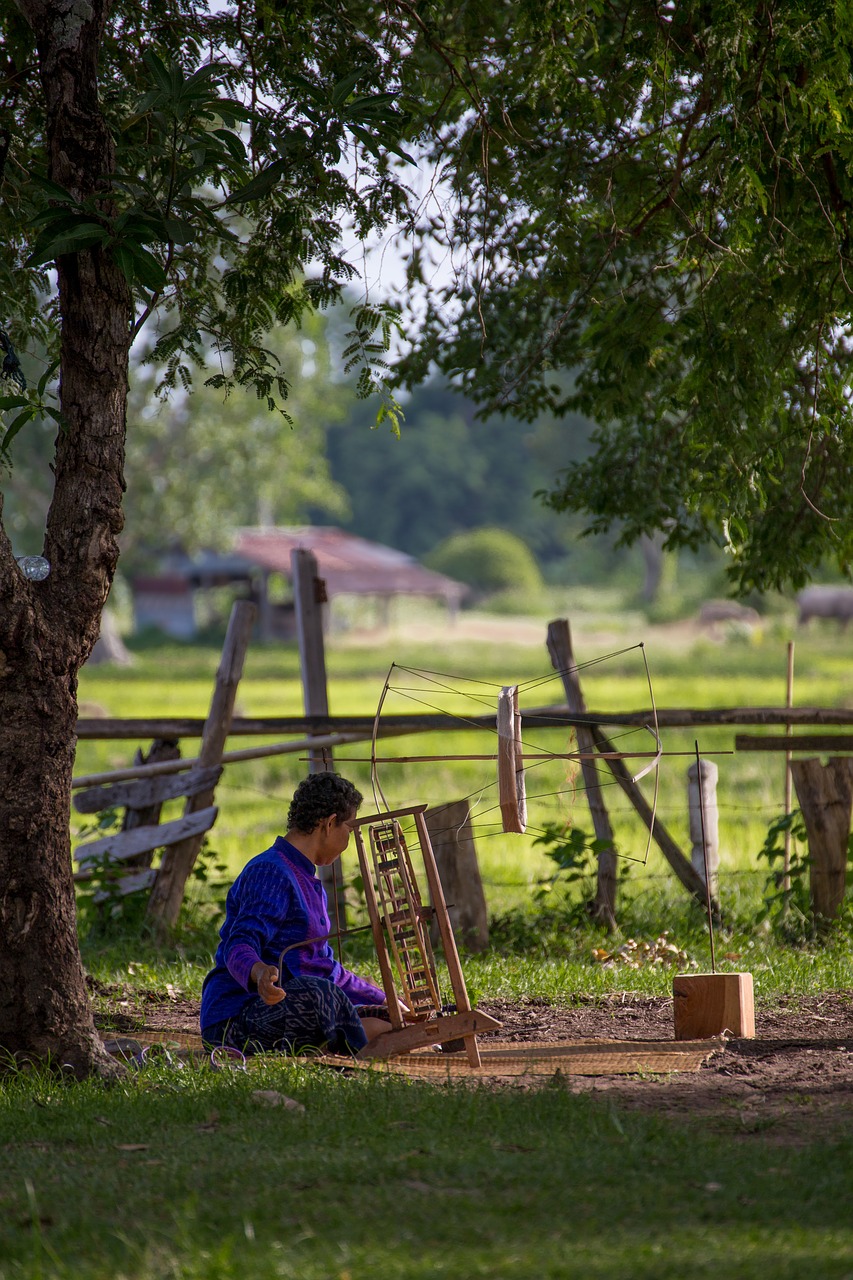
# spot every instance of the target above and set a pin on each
(334, 837)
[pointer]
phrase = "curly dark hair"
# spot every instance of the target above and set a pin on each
(319, 796)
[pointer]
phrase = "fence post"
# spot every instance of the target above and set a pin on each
(825, 793)
(704, 816)
(164, 905)
(562, 659)
(309, 596)
(452, 840)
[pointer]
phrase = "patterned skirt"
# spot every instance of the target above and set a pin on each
(315, 1014)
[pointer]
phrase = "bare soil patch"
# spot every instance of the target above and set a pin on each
(793, 1083)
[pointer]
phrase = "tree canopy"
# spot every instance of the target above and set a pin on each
(240, 144)
(659, 194)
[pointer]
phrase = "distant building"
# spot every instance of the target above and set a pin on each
(349, 565)
(165, 602)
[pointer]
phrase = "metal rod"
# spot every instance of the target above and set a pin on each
(705, 860)
(545, 755)
(789, 755)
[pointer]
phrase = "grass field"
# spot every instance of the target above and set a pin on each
(190, 1175)
(474, 659)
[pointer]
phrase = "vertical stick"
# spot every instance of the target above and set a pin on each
(704, 820)
(707, 875)
(562, 659)
(789, 755)
(309, 595)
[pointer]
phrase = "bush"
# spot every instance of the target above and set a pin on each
(488, 560)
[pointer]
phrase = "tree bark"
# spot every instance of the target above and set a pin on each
(47, 629)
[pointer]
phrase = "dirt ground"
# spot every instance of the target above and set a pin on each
(793, 1083)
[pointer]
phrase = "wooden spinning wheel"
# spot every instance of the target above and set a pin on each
(398, 918)
(404, 918)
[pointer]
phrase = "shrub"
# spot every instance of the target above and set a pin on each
(488, 560)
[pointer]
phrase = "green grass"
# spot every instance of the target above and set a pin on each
(186, 1174)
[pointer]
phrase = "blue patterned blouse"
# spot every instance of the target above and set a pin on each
(275, 901)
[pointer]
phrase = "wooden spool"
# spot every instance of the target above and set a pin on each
(511, 788)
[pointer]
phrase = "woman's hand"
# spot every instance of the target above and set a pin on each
(265, 978)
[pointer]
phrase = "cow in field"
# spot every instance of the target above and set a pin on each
(825, 602)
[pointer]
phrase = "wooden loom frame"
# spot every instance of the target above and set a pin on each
(393, 900)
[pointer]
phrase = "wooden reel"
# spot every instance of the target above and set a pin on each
(512, 793)
(398, 921)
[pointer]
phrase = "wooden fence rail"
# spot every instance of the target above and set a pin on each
(550, 717)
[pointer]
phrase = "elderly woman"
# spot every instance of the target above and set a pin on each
(277, 905)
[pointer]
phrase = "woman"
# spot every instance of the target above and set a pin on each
(277, 905)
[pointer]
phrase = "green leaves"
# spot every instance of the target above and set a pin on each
(369, 342)
(240, 155)
(663, 207)
(26, 407)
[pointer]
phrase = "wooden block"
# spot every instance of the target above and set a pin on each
(709, 1004)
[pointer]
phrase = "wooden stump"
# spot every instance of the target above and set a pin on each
(452, 838)
(825, 793)
(709, 1004)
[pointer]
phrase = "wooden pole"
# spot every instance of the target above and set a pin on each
(167, 894)
(309, 595)
(690, 878)
(166, 767)
(554, 716)
(704, 821)
(825, 793)
(452, 839)
(703, 833)
(562, 659)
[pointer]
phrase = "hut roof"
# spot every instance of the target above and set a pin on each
(350, 565)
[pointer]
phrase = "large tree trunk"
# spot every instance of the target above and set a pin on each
(47, 629)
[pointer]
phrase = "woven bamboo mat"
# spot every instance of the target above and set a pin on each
(499, 1057)
(570, 1057)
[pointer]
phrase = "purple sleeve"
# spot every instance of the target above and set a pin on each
(359, 990)
(240, 962)
(265, 900)
(320, 962)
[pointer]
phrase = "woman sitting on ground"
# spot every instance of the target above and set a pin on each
(278, 901)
